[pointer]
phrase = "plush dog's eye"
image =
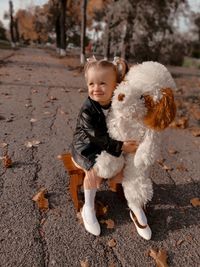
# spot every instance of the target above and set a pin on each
(121, 97)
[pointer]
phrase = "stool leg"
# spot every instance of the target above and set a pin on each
(74, 187)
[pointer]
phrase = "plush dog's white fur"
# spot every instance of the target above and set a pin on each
(125, 122)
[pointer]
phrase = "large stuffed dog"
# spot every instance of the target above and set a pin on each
(142, 106)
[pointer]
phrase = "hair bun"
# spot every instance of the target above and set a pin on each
(121, 66)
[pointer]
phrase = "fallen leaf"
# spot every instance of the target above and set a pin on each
(195, 202)
(84, 263)
(196, 132)
(81, 90)
(79, 217)
(2, 145)
(101, 210)
(189, 238)
(63, 112)
(167, 168)
(109, 223)
(33, 120)
(7, 162)
(159, 256)
(28, 105)
(179, 242)
(47, 113)
(9, 120)
(42, 221)
(181, 122)
(181, 167)
(172, 151)
(53, 98)
(39, 198)
(112, 243)
(33, 143)
(41, 232)
(161, 161)
(164, 166)
(34, 91)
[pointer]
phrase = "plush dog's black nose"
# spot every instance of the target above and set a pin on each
(141, 97)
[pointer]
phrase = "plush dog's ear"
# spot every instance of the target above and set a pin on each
(122, 68)
(160, 114)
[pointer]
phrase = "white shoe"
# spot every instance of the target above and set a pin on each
(143, 230)
(93, 228)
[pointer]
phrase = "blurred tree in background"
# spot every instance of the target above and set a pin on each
(137, 30)
(2, 32)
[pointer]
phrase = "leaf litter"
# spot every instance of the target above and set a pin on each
(41, 200)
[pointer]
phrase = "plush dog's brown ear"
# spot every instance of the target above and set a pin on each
(160, 114)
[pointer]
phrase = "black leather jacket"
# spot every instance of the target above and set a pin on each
(91, 136)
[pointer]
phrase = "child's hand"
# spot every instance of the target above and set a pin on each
(130, 146)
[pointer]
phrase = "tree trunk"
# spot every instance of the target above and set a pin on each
(107, 37)
(83, 30)
(62, 27)
(126, 41)
(123, 48)
(12, 35)
(57, 30)
(17, 30)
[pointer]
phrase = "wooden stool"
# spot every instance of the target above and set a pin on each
(76, 176)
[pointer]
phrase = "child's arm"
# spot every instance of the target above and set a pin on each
(102, 139)
(97, 136)
(130, 146)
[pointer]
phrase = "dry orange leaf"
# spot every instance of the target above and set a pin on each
(196, 132)
(7, 162)
(39, 198)
(159, 256)
(161, 161)
(181, 167)
(167, 168)
(172, 151)
(112, 243)
(195, 202)
(101, 210)
(109, 223)
(164, 166)
(181, 122)
(2, 145)
(84, 263)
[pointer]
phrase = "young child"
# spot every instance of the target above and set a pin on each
(91, 135)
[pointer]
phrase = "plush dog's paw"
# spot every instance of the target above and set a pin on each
(107, 166)
(142, 161)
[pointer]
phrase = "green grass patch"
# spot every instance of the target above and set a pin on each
(190, 62)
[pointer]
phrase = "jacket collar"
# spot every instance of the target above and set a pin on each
(96, 105)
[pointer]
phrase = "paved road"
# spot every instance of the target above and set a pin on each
(39, 101)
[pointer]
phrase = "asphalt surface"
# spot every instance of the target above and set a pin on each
(39, 100)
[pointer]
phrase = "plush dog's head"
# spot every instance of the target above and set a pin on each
(146, 95)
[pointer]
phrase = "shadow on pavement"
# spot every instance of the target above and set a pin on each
(171, 210)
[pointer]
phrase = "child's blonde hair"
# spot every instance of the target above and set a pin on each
(119, 67)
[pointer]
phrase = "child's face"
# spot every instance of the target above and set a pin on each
(101, 84)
